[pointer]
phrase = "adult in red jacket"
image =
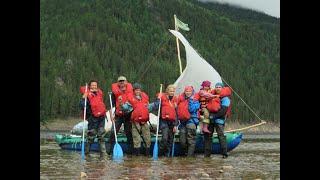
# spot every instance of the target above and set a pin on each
(95, 115)
(218, 121)
(188, 114)
(226, 91)
(168, 119)
(209, 103)
(121, 90)
(138, 104)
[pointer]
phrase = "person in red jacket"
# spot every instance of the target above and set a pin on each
(121, 90)
(209, 104)
(95, 115)
(188, 114)
(138, 105)
(168, 118)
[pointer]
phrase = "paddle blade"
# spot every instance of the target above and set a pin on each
(155, 151)
(117, 152)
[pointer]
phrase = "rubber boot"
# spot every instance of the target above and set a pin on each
(147, 152)
(205, 128)
(130, 148)
(223, 145)
(136, 151)
(102, 148)
(110, 149)
(191, 150)
(183, 150)
(162, 151)
(207, 145)
(87, 149)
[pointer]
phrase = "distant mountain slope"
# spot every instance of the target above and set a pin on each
(81, 40)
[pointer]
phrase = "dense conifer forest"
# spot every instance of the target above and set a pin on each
(83, 40)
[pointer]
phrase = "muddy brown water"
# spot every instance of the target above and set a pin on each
(256, 157)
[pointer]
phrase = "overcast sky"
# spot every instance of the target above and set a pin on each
(270, 7)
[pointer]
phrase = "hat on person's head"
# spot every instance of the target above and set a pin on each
(122, 78)
(188, 88)
(137, 86)
(219, 84)
(206, 84)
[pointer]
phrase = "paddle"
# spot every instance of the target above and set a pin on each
(150, 125)
(117, 150)
(84, 118)
(155, 147)
(82, 173)
(174, 137)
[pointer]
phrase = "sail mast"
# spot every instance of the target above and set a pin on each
(177, 40)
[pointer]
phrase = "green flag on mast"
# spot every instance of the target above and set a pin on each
(182, 25)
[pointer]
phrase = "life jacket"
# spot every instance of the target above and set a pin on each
(183, 108)
(214, 105)
(168, 111)
(196, 96)
(140, 111)
(226, 91)
(117, 93)
(98, 108)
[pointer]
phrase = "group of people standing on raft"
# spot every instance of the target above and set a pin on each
(210, 106)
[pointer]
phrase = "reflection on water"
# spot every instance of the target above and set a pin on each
(250, 160)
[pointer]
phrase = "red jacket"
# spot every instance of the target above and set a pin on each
(183, 108)
(117, 93)
(168, 108)
(98, 108)
(140, 111)
(226, 91)
(212, 104)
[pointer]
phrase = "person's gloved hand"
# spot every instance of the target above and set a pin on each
(160, 95)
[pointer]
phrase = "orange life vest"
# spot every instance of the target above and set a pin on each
(124, 94)
(213, 105)
(226, 91)
(168, 111)
(140, 111)
(183, 108)
(98, 108)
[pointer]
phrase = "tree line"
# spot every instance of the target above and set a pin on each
(83, 40)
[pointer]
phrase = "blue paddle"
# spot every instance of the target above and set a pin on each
(84, 118)
(117, 150)
(155, 147)
(174, 137)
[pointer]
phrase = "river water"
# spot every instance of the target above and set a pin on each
(256, 157)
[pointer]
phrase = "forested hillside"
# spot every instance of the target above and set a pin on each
(83, 40)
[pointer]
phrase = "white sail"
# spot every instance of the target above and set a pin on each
(197, 69)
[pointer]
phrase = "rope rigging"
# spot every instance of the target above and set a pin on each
(161, 46)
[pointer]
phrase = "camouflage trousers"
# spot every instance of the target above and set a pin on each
(96, 129)
(208, 139)
(187, 138)
(167, 136)
(141, 133)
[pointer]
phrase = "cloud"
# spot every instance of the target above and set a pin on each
(270, 7)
